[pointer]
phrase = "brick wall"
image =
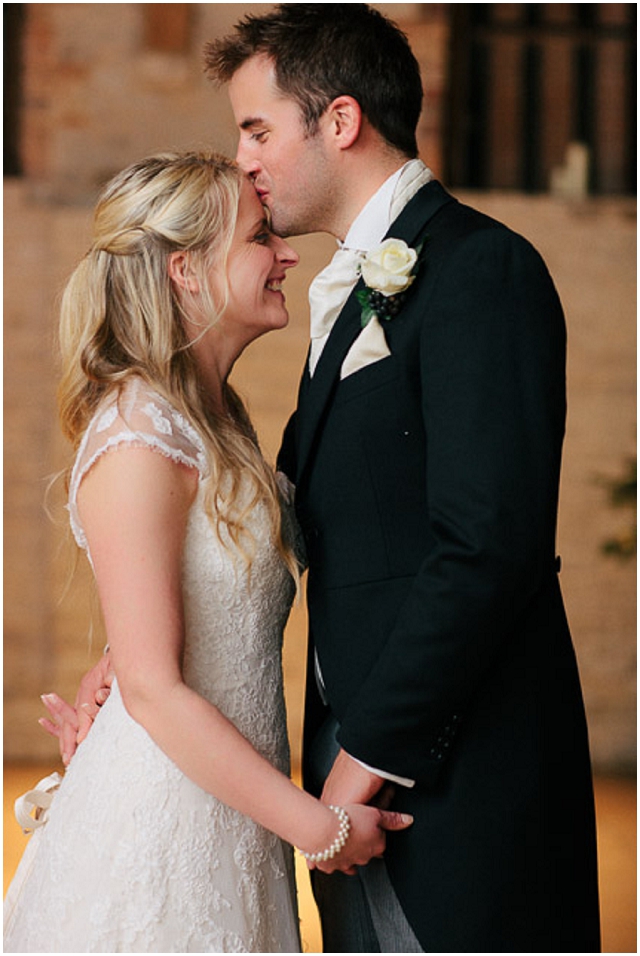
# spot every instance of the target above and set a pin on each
(105, 84)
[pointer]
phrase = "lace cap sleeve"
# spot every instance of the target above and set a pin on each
(137, 415)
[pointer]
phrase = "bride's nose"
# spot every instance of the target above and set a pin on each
(285, 255)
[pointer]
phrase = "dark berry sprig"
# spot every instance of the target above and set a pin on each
(385, 306)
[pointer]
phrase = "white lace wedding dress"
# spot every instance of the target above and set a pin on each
(135, 857)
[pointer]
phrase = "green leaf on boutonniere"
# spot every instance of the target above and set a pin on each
(367, 311)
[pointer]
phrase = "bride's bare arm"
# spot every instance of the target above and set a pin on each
(133, 506)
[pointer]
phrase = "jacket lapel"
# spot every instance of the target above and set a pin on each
(316, 392)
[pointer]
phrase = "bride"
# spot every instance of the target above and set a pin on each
(173, 826)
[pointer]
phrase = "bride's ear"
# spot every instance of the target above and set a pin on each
(182, 273)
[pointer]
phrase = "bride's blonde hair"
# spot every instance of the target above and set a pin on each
(121, 317)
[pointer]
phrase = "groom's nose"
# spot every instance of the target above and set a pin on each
(245, 160)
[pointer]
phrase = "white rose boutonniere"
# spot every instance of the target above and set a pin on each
(388, 271)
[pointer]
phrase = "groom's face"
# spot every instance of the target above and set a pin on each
(290, 169)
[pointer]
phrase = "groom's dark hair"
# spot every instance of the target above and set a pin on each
(324, 50)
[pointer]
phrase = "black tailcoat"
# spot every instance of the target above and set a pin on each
(427, 487)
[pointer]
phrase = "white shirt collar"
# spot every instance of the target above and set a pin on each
(373, 221)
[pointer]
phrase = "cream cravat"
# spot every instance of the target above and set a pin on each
(327, 294)
(331, 288)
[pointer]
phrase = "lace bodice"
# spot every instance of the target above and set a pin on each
(223, 598)
(135, 857)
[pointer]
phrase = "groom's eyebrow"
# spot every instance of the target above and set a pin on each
(252, 121)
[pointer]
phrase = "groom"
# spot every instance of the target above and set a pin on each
(426, 453)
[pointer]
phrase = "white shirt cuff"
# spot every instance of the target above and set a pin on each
(403, 781)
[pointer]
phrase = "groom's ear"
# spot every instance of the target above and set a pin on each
(344, 116)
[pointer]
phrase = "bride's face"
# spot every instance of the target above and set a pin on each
(256, 269)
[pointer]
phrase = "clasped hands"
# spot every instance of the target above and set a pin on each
(351, 785)
(348, 785)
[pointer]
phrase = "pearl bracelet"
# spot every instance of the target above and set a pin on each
(338, 843)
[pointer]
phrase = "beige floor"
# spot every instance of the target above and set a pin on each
(616, 807)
